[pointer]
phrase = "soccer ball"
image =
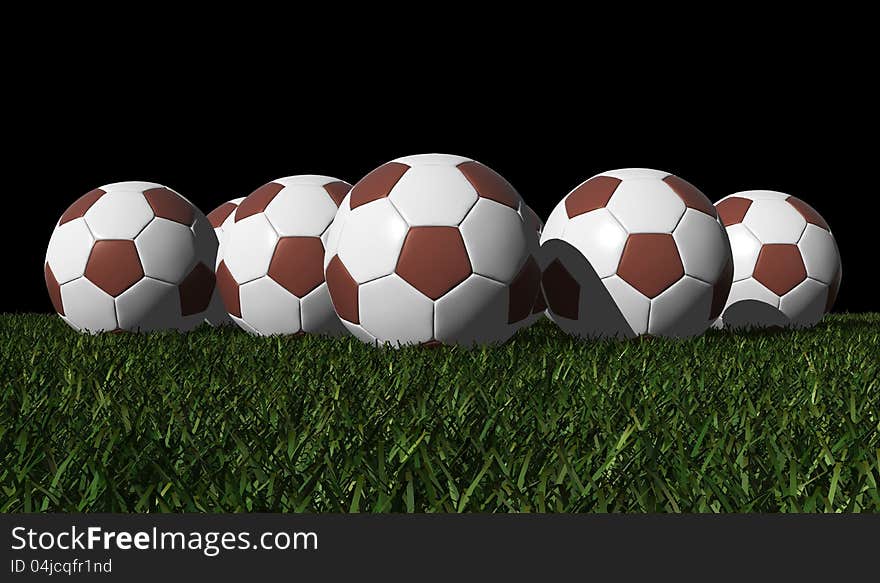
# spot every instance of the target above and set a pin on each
(220, 218)
(270, 276)
(786, 266)
(632, 252)
(131, 256)
(432, 249)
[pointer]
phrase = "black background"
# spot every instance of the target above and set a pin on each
(218, 121)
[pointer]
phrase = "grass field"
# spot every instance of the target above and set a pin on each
(216, 420)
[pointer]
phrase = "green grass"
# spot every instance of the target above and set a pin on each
(217, 421)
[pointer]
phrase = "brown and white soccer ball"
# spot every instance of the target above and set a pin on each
(432, 249)
(635, 251)
(220, 218)
(131, 256)
(271, 275)
(786, 262)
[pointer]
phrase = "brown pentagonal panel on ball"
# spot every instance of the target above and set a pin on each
(591, 195)
(196, 289)
(561, 290)
(114, 265)
(489, 184)
(690, 195)
(343, 291)
(220, 214)
(377, 184)
(524, 291)
(809, 213)
(169, 205)
(298, 264)
(54, 289)
(650, 263)
(257, 201)
(81, 205)
(434, 260)
(780, 267)
(228, 288)
(337, 190)
(732, 210)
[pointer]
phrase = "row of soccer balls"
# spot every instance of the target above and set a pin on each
(441, 249)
